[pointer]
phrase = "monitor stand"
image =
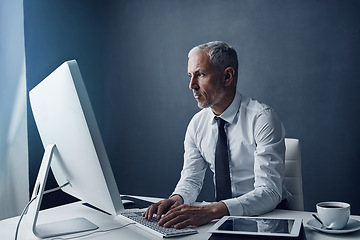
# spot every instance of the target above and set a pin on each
(55, 228)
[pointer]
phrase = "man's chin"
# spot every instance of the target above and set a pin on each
(203, 105)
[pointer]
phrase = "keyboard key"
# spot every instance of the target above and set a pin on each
(152, 225)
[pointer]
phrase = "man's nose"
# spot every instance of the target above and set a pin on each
(193, 83)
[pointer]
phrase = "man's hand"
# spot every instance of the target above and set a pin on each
(162, 207)
(192, 215)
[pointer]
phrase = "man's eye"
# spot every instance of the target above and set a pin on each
(201, 74)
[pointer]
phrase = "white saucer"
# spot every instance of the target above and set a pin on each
(352, 226)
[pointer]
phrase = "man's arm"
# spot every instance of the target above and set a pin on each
(194, 168)
(269, 168)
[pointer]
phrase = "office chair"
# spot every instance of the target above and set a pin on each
(293, 176)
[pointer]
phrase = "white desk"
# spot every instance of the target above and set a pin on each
(132, 232)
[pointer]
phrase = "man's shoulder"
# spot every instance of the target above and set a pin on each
(253, 111)
(253, 105)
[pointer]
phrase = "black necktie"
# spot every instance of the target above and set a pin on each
(222, 173)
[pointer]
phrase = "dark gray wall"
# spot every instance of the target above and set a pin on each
(300, 57)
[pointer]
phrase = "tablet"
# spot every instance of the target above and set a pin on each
(264, 226)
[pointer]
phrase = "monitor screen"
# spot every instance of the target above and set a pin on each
(65, 118)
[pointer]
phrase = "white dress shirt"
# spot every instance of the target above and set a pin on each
(256, 156)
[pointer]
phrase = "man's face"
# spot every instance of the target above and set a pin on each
(205, 80)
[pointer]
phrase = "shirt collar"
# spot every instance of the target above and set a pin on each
(230, 113)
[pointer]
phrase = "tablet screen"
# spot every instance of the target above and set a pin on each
(257, 225)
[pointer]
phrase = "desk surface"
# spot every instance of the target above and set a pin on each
(132, 232)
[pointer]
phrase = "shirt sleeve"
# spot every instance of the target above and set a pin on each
(193, 172)
(269, 168)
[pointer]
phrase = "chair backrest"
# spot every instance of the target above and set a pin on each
(293, 175)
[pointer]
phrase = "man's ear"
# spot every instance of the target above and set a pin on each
(229, 74)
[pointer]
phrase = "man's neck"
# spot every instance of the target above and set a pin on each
(225, 103)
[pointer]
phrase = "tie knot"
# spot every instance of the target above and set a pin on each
(220, 122)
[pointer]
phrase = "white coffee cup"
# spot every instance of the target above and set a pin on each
(334, 215)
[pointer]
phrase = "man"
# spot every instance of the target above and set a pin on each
(253, 138)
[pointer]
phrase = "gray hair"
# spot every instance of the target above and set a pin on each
(221, 55)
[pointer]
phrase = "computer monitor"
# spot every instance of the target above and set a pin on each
(73, 147)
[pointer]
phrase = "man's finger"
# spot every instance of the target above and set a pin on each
(172, 219)
(185, 223)
(151, 210)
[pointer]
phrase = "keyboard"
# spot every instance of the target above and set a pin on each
(152, 225)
